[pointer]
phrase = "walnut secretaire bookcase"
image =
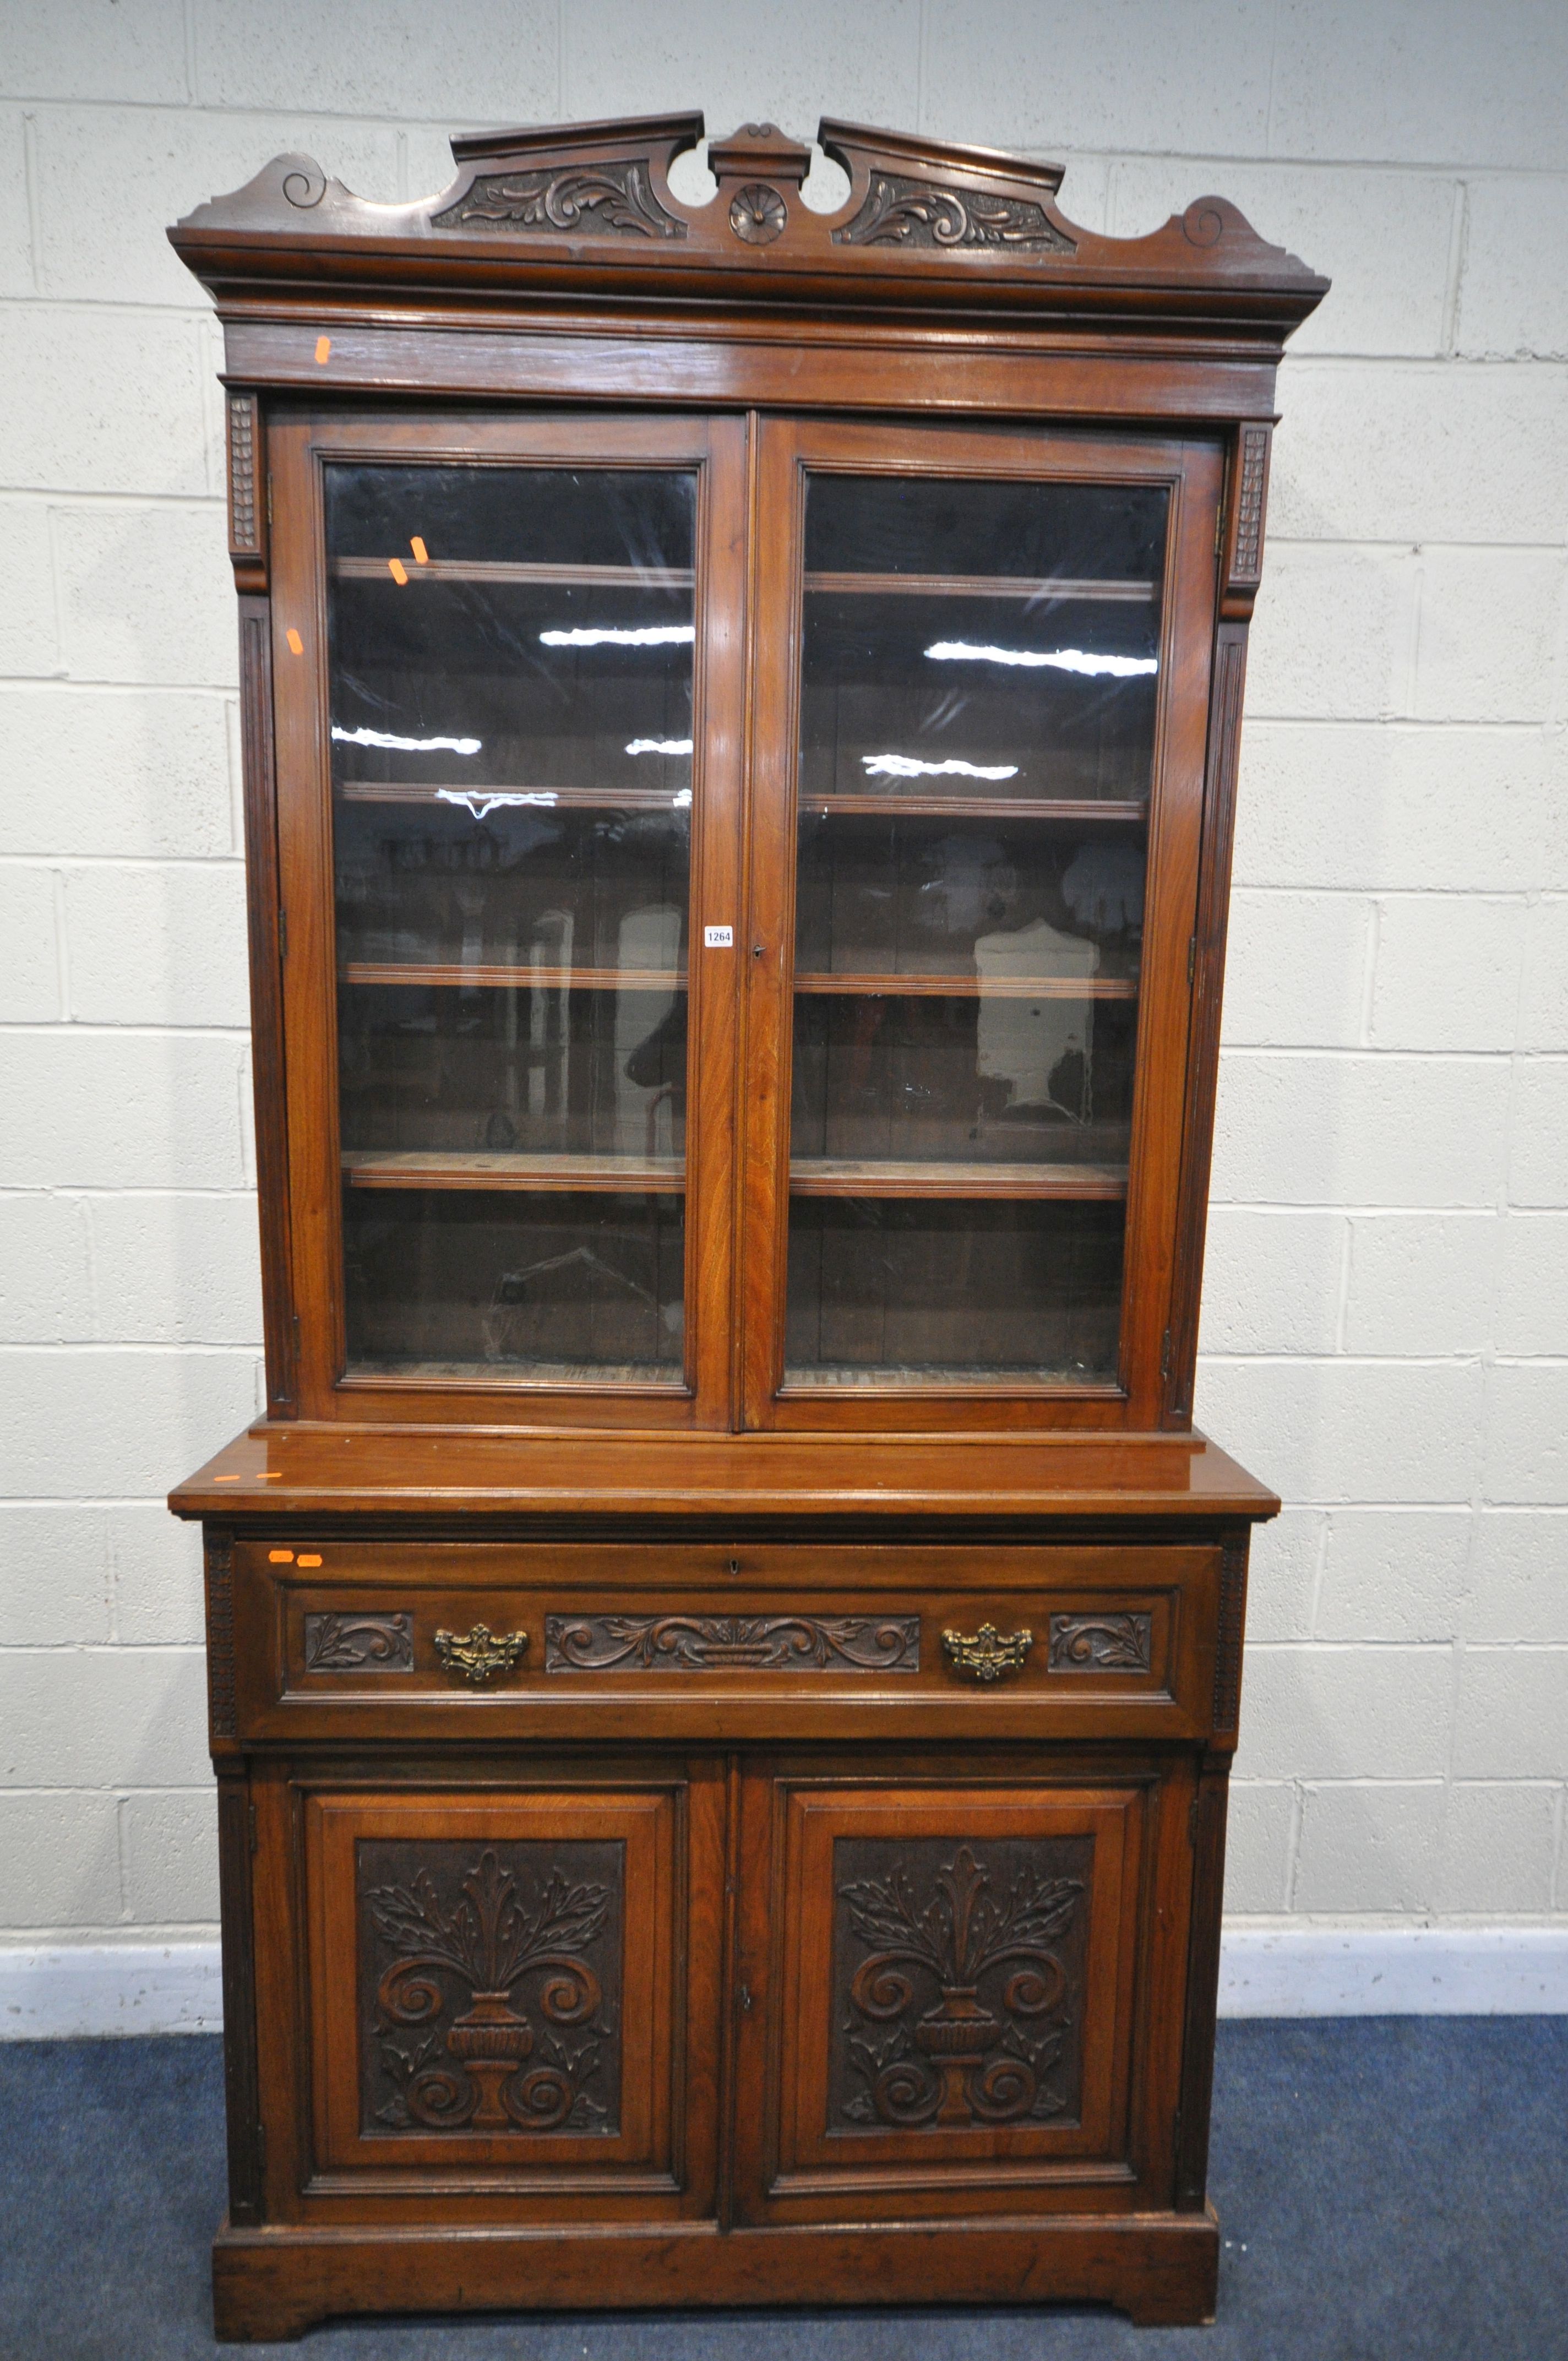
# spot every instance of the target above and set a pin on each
(725, 1649)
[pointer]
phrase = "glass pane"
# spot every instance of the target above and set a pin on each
(512, 737)
(978, 701)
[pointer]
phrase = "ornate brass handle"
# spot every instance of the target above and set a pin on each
(987, 1654)
(480, 1652)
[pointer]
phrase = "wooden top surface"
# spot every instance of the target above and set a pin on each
(297, 1469)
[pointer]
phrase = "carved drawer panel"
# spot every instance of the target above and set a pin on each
(509, 2008)
(383, 1640)
(941, 1989)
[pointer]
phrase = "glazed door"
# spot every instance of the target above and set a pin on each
(982, 708)
(939, 1965)
(506, 663)
(512, 1987)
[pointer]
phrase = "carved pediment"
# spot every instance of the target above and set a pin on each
(962, 225)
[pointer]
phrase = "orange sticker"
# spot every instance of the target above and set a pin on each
(324, 350)
(296, 644)
(282, 1557)
(272, 1475)
(399, 571)
(420, 551)
(308, 1560)
(226, 1479)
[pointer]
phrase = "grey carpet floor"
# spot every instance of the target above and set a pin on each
(1390, 2189)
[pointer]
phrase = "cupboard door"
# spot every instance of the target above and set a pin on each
(979, 789)
(938, 2003)
(498, 1987)
(507, 683)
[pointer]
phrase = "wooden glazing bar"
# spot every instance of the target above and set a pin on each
(972, 988)
(834, 1176)
(438, 1168)
(540, 979)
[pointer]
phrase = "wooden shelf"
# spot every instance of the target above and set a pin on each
(833, 1176)
(481, 569)
(442, 1168)
(540, 979)
(972, 987)
(415, 791)
(982, 585)
(892, 805)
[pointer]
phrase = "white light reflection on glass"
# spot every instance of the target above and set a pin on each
(1058, 659)
(600, 636)
(905, 767)
(483, 801)
(660, 746)
(407, 745)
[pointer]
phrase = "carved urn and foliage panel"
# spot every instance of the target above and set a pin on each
(950, 1994)
(511, 1995)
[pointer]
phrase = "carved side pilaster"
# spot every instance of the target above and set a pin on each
(241, 2080)
(1243, 524)
(1228, 1645)
(222, 1710)
(247, 491)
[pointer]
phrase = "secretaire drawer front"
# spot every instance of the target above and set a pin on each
(541, 1639)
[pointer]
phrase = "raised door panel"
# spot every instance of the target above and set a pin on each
(943, 1975)
(498, 1989)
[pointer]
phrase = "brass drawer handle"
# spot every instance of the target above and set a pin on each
(987, 1654)
(480, 1652)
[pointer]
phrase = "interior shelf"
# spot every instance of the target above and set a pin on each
(464, 569)
(538, 979)
(893, 805)
(972, 988)
(449, 791)
(443, 1168)
(979, 585)
(832, 1176)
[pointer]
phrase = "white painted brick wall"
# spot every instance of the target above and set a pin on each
(1386, 1329)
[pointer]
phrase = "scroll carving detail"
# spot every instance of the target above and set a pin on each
(1228, 1645)
(909, 212)
(834, 1643)
(966, 2006)
(1101, 1643)
(532, 1943)
(604, 200)
(342, 1643)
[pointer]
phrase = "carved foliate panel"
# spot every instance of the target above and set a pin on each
(221, 1706)
(490, 1987)
(607, 200)
(958, 1982)
(909, 212)
(368, 1643)
(1101, 1643)
(782, 1643)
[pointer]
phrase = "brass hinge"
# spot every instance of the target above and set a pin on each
(282, 932)
(1165, 1359)
(255, 1843)
(261, 2146)
(1192, 957)
(270, 496)
(1192, 1823)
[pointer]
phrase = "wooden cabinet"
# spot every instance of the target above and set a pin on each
(725, 1649)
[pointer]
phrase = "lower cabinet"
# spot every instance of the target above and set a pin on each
(792, 1989)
